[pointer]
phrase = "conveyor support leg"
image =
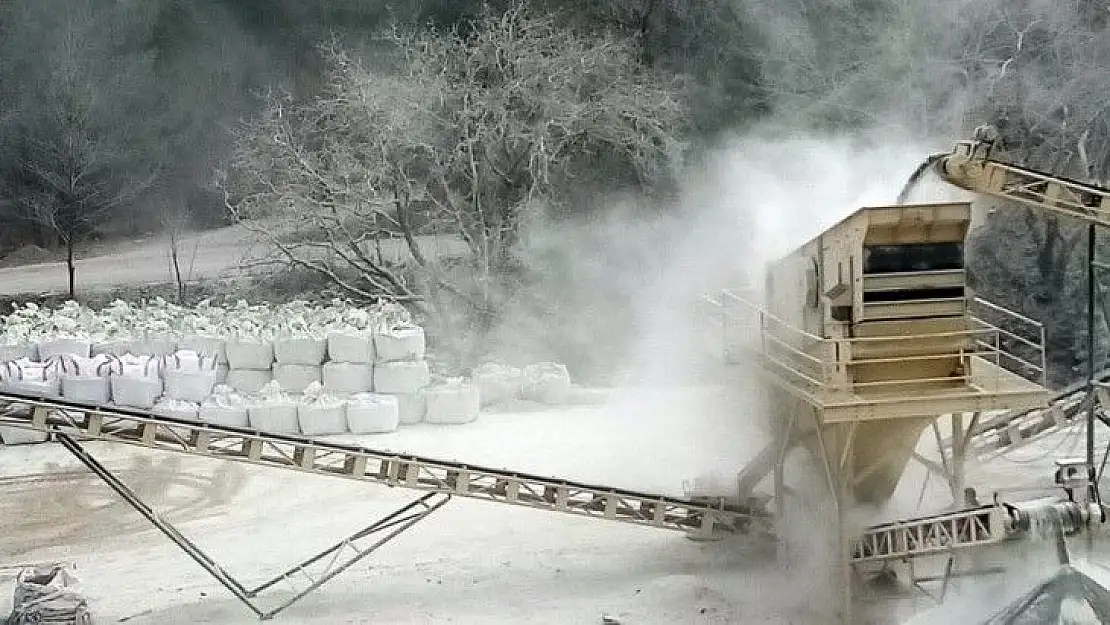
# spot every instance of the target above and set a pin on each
(328, 563)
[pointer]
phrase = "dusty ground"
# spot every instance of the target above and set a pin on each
(472, 562)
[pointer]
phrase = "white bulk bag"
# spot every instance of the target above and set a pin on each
(132, 366)
(497, 383)
(20, 436)
(51, 387)
(401, 377)
(205, 346)
(348, 377)
(155, 345)
(188, 361)
(247, 354)
(274, 418)
(136, 392)
(193, 387)
(176, 409)
(99, 365)
(454, 402)
(225, 408)
(17, 351)
(53, 348)
(300, 351)
(371, 413)
(112, 347)
(296, 378)
(547, 383)
(320, 414)
(248, 380)
(273, 411)
(412, 407)
(87, 390)
(399, 343)
(36, 379)
(350, 347)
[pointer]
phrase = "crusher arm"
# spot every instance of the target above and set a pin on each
(971, 167)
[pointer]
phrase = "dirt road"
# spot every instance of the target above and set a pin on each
(209, 255)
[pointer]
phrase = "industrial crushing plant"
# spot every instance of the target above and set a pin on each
(864, 338)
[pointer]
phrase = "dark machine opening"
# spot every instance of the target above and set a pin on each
(913, 257)
(907, 295)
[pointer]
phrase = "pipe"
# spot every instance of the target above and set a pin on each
(1043, 517)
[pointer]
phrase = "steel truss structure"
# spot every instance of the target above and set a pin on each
(303, 577)
(69, 422)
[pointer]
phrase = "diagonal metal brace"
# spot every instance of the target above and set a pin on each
(391, 525)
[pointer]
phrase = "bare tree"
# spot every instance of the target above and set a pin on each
(182, 257)
(446, 152)
(79, 134)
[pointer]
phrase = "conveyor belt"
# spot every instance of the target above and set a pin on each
(1013, 429)
(933, 535)
(900, 540)
(1071, 198)
(135, 427)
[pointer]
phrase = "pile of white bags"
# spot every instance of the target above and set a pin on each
(284, 369)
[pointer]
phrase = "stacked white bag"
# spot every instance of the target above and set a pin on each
(225, 407)
(272, 410)
(299, 360)
(497, 384)
(27, 377)
(453, 402)
(86, 380)
(188, 376)
(136, 381)
(547, 383)
(250, 357)
(30, 377)
(320, 413)
(372, 413)
(287, 368)
(400, 368)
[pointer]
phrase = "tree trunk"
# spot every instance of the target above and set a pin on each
(71, 268)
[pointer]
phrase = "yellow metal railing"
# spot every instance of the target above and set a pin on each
(815, 365)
